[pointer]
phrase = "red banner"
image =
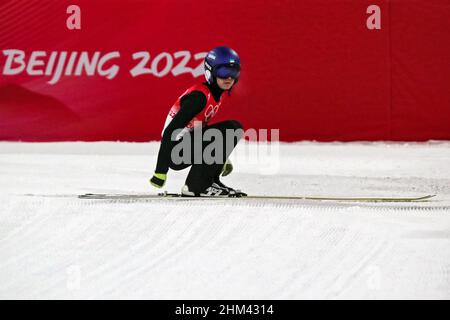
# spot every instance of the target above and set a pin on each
(316, 70)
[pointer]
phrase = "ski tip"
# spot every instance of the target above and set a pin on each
(429, 196)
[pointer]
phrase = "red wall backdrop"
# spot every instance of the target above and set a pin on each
(310, 67)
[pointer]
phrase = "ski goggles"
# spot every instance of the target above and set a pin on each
(227, 71)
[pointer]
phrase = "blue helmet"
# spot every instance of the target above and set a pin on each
(222, 62)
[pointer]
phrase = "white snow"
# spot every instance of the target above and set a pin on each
(54, 245)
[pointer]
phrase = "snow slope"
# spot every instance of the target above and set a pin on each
(54, 245)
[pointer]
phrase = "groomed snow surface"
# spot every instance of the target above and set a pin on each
(54, 245)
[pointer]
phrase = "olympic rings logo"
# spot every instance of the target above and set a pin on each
(211, 111)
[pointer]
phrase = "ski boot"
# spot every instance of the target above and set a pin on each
(236, 192)
(212, 191)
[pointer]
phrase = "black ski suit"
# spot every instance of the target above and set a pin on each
(201, 176)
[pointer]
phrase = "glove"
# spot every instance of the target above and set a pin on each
(158, 180)
(227, 168)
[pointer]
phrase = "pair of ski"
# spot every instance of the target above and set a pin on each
(166, 195)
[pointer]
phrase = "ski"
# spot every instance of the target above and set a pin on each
(167, 195)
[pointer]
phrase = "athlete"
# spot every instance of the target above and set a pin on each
(193, 111)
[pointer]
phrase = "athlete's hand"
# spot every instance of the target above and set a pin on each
(227, 168)
(158, 180)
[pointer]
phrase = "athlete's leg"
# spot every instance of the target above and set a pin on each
(202, 176)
